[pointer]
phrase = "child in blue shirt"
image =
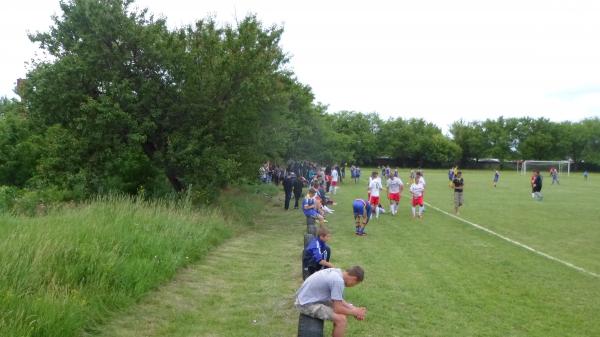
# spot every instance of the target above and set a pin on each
(309, 207)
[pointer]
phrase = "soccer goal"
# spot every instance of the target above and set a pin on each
(545, 165)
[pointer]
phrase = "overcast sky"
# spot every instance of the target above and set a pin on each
(434, 59)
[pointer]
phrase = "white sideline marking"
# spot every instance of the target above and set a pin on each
(568, 264)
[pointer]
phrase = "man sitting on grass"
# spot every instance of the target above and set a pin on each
(321, 296)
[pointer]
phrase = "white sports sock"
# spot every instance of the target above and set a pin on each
(414, 210)
(421, 210)
(376, 211)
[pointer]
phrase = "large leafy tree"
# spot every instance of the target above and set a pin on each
(362, 131)
(590, 129)
(470, 138)
(128, 103)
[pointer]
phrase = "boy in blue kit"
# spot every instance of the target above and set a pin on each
(496, 177)
(317, 253)
(309, 207)
(362, 211)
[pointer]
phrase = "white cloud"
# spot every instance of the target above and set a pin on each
(439, 60)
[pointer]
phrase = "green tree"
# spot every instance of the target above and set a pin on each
(362, 131)
(497, 139)
(470, 138)
(591, 131)
(143, 105)
(20, 147)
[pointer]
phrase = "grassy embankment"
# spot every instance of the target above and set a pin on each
(64, 273)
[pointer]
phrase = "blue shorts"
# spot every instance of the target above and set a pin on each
(311, 213)
(359, 209)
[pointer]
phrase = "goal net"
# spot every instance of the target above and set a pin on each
(562, 166)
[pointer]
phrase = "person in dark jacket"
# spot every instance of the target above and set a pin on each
(298, 184)
(288, 185)
(536, 185)
(317, 253)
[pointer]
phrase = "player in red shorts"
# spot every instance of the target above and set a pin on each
(394, 187)
(416, 190)
(375, 187)
(334, 180)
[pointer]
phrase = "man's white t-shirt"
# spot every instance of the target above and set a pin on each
(321, 287)
(375, 187)
(417, 189)
(334, 175)
(394, 185)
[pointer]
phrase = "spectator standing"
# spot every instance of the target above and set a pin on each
(288, 186)
(297, 188)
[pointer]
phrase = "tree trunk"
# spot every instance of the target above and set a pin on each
(174, 180)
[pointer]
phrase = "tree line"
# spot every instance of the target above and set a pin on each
(123, 103)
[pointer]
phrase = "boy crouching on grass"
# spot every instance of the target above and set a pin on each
(321, 296)
(309, 206)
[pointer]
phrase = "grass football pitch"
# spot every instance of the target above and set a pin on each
(439, 276)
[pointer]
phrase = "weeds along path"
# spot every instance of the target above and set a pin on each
(234, 291)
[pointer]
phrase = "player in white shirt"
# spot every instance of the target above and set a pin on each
(334, 181)
(421, 180)
(375, 187)
(394, 187)
(416, 190)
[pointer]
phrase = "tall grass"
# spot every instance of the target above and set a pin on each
(63, 273)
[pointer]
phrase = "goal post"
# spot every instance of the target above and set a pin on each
(560, 165)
